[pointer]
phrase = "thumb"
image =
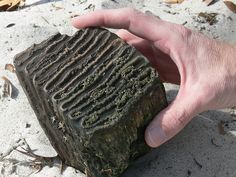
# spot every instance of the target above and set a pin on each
(171, 120)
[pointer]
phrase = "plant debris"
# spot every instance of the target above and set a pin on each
(19, 142)
(189, 173)
(115, 1)
(170, 12)
(210, 18)
(197, 163)
(209, 2)
(75, 15)
(45, 19)
(173, 1)
(10, 25)
(10, 68)
(5, 87)
(27, 125)
(9, 5)
(90, 7)
(38, 162)
(184, 23)
(35, 26)
(231, 5)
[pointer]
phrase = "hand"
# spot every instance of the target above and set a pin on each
(204, 68)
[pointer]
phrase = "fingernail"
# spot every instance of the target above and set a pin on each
(155, 136)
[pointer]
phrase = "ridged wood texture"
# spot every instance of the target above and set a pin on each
(93, 95)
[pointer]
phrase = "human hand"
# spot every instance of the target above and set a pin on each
(204, 68)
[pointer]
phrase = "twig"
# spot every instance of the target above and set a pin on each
(19, 142)
(45, 20)
(38, 161)
(198, 164)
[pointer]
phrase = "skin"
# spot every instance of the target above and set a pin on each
(204, 68)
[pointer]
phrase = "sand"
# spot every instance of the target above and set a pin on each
(206, 147)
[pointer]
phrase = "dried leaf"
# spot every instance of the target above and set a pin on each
(210, 18)
(231, 5)
(45, 19)
(9, 5)
(5, 87)
(208, 2)
(10, 68)
(173, 1)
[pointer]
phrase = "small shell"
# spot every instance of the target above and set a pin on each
(5, 87)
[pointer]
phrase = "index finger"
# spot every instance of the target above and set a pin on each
(145, 26)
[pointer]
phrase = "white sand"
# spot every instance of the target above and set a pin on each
(199, 150)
